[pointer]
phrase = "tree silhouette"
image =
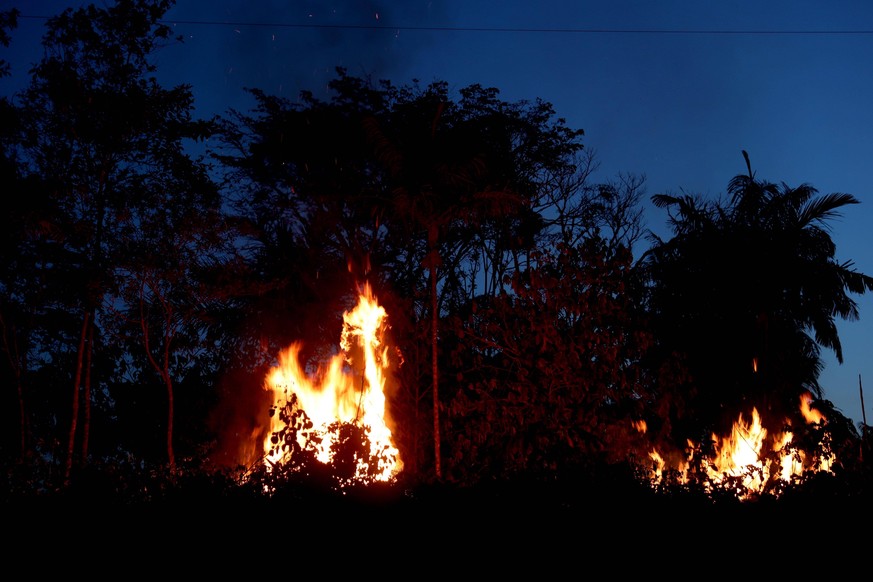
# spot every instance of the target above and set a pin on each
(104, 142)
(430, 197)
(548, 378)
(748, 289)
(531, 344)
(445, 179)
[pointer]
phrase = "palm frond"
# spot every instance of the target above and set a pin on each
(824, 208)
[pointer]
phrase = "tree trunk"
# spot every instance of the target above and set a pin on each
(432, 262)
(168, 382)
(86, 397)
(417, 399)
(435, 372)
(171, 455)
(71, 441)
(162, 368)
(22, 417)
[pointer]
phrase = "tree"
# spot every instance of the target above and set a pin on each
(434, 198)
(548, 378)
(748, 290)
(8, 22)
(446, 177)
(105, 141)
(173, 250)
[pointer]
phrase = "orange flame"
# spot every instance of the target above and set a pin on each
(740, 455)
(346, 391)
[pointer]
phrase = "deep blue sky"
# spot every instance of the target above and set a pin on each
(669, 90)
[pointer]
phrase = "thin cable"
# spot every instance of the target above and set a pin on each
(508, 30)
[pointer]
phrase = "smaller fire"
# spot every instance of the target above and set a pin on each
(350, 389)
(741, 456)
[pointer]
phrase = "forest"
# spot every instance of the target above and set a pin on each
(178, 299)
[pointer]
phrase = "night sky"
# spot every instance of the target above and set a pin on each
(672, 91)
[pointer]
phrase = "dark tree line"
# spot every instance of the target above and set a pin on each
(145, 289)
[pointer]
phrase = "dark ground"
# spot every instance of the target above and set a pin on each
(498, 530)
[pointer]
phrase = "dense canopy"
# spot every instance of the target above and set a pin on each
(155, 265)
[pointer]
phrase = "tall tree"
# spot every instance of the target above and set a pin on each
(102, 135)
(440, 194)
(446, 181)
(748, 290)
(174, 247)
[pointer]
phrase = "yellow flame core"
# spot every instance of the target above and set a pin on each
(738, 455)
(339, 392)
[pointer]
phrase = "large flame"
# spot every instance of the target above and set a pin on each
(742, 456)
(349, 389)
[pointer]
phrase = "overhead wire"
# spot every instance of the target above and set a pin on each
(708, 31)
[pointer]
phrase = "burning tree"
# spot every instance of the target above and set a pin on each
(745, 294)
(445, 195)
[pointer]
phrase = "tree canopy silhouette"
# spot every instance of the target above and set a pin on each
(136, 275)
(438, 200)
(748, 291)
(116, 218)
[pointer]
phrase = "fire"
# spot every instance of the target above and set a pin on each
(350, 389)
(743, 457)
(739, 454)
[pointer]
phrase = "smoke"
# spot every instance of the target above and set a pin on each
(284, 49)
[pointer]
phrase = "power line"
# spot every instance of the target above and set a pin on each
(506, 30)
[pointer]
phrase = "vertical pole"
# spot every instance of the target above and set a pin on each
(863, 419)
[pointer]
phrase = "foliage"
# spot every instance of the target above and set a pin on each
(152, 285)
(432, 198)
(120, 220)
(747, 292)
(548, 377)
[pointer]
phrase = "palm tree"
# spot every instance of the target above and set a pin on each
(749, 290)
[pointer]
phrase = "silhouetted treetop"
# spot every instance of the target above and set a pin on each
(749, 288)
